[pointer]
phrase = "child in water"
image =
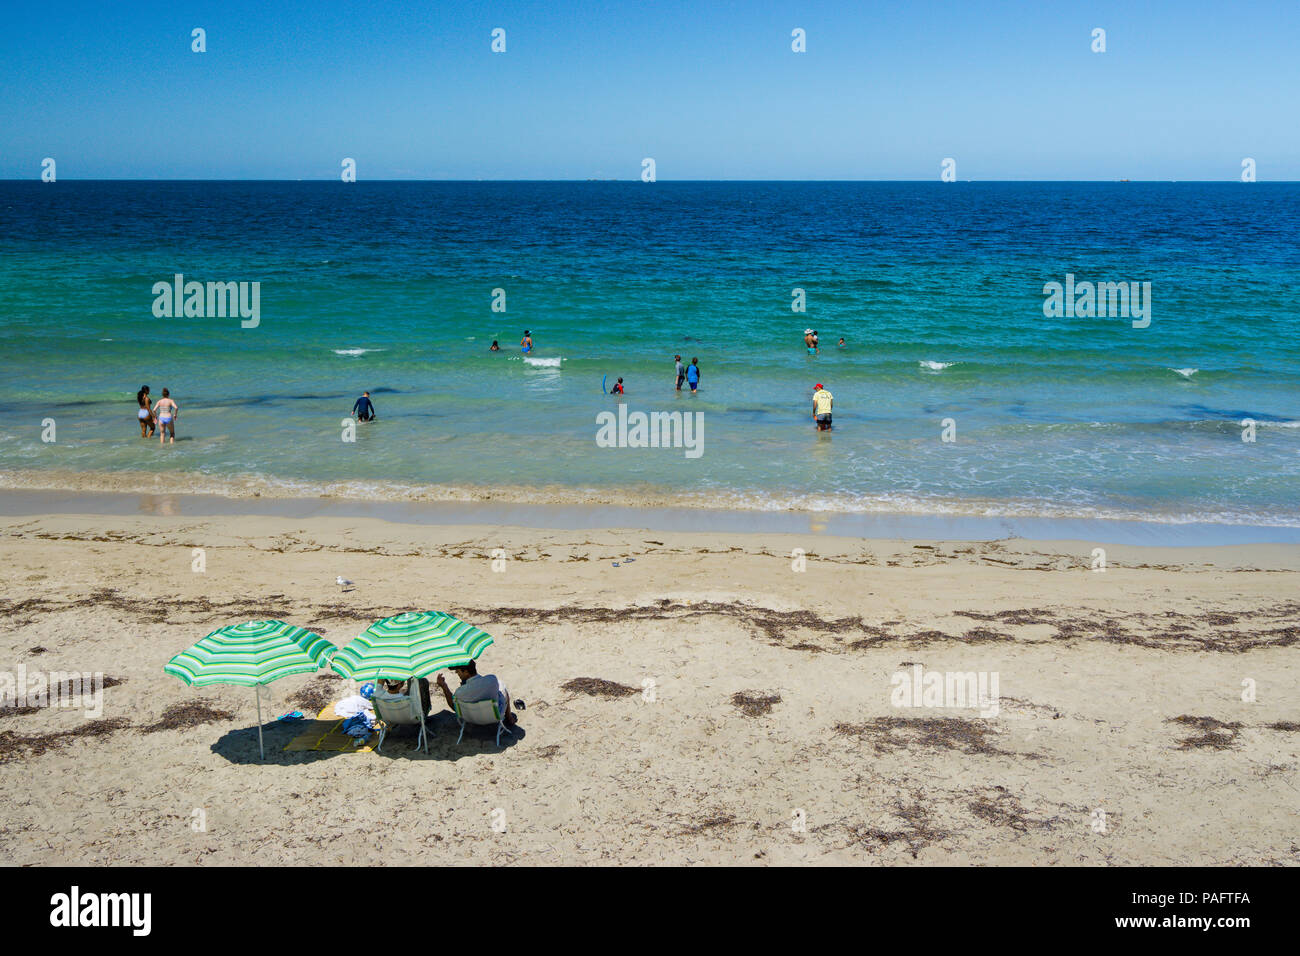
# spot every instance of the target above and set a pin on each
(618, 388)
(527, 341)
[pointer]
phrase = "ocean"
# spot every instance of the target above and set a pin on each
(937, 289)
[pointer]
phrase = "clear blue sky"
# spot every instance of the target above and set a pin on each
(1011, 90)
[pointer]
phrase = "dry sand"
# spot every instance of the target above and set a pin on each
(703, 704)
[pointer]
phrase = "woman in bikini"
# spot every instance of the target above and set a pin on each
(166, 410)
(147, 424)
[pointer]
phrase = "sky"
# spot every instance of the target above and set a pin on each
(709, 90)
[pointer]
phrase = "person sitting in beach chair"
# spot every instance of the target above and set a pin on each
(396, 705)
(480, 699)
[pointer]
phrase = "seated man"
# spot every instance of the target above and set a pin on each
(475, 686)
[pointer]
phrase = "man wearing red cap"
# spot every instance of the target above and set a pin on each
(822, 400)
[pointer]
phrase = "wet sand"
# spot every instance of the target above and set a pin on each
(649, 513)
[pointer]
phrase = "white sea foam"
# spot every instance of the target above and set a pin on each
(543, 362)
(936, 366)
(250, 485)
(356, 351)
(1185, 372)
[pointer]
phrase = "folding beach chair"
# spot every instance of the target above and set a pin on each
(482, 713)
(407, 709)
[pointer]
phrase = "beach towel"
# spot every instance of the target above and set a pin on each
(325, 733)
(351, 706)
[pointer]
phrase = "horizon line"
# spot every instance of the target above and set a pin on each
(597, 179)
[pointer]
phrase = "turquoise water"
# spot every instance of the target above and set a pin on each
(938, 289)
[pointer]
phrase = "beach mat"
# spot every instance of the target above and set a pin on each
(326, 733)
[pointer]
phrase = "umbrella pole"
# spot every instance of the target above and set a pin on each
(260, 748)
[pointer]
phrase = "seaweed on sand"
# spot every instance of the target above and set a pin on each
(1214, 734)
(193, 713)
(754, 703)
(597, 687)
(14, 745)
(946, 733)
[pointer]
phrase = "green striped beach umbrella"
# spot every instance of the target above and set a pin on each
(250, 655)
(410, 645)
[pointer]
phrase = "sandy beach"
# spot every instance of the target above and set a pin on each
(702, 702)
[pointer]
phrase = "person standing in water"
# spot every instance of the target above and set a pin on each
(618, 388)
(145, 413)
(364, 408)
(166, 411)
(693, 374)
(527, 341)
(810, 341)
(494, 347)
(822, 401)
(681, 371)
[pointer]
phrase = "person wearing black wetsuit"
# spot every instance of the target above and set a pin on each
(364, 409)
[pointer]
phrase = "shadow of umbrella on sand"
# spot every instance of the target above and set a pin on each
(251, 655)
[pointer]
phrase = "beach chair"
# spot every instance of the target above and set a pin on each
(482, 713)
(393, 709)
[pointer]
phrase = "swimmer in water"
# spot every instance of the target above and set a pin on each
(166, 411)
(527, 341)
(494, 347)
(618, 388)
(145, 414)
(841, 344)
(810, 341)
